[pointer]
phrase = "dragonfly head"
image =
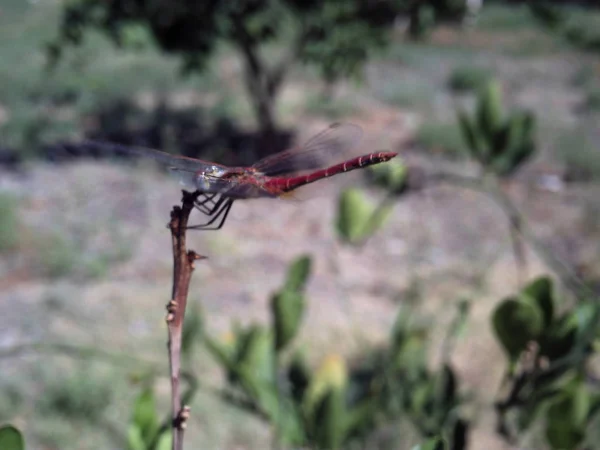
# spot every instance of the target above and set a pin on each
(208, 179)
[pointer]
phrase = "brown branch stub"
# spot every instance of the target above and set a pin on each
(183, 267)
(171, 309)
(180, 422)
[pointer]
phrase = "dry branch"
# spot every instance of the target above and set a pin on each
(183, 266)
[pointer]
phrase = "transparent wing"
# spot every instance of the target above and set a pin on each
(322, 150)
(168, 159)
(189, 178)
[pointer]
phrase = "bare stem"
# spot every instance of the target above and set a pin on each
(183, 266)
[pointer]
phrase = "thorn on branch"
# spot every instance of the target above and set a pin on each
(193, 256)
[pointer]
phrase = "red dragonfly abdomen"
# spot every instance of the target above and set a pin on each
(287, 184)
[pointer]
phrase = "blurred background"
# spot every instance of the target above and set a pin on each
(449, 293)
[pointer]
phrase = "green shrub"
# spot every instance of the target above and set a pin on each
(500, 143)
(468, 78)
(582, 29)
(81, 396)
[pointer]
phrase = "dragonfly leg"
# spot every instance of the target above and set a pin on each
(209, 210)
(222, 212)
(207, 204)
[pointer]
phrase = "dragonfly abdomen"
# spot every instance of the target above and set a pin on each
(286, 184)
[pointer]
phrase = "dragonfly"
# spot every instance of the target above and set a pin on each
(277, 175)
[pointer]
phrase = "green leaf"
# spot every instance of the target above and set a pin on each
(11, 438)
(587, 314)
(567, 418)
(255, 357)
(518, 145)
(135, 441)
(470, 135)
(541, 291)
(560, 337)
(445, 387)
(489, 111)
(144, 415)
(298, 274)
(361, 417)
(432, 444)
(165, 441)
(515, 324)
(287, 308)
(332, 374)
(421, 397)
(223, 352)
(392, 176)
(329, 420)
(299, 377)
(354, 213)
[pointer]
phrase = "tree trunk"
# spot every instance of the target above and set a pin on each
(262, 88)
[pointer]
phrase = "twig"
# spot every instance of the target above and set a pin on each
(193, 386)
(183, 266)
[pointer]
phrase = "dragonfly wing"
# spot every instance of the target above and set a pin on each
(167, 159)
(208, 184)
(322, 150)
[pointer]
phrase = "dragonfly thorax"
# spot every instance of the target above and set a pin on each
(209, 179)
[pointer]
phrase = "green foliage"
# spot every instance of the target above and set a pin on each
(392, 176)
(9, 223)
(567, 417)
(432, 444)
(516, 323)
(577, 26)
(422, 20)
(337, 38)
(469, 78)
(81, 396)
(547, 377)
(144, 431)
(336, 404)
(287, 305)
(500, 145)
(429, 398)
(11, 438)
(423, 15)
(357, 218)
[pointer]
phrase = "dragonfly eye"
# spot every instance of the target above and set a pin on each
(215, 171)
